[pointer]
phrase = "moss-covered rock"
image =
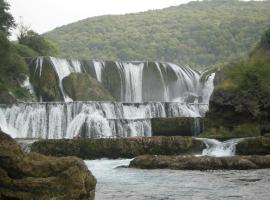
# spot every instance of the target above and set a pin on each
(254, 146)
(6, 97)
(239, 131)
(200, 163)
(45, 81)
(35, 176)
(82, 87)
(118, 147)
(181, 126)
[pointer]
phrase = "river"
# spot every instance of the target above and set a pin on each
(136, 184)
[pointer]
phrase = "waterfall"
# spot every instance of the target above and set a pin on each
(143, 90)
(28, 86)
(137, 81)
(219, 149)
(88, 119)
(99, 67)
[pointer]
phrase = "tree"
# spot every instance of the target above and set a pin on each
(37, 42)
(6, 19)
(6, 23)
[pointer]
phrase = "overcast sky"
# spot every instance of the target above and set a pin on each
(45, 15)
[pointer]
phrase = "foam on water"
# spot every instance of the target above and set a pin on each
(219, 149)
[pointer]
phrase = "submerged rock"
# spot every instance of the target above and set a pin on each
(35, 176)
(118, 147)
(200, 163)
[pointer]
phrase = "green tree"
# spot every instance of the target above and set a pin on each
(38, 43)
(6, 19)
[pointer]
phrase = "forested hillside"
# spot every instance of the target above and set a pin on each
(197, 33)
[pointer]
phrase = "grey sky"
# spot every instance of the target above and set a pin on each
(45, 15)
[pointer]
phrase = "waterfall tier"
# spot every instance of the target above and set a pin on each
(142, 90)
(128, 81)
(90, 119)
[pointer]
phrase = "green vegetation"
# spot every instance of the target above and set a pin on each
(38, 43)
(242, 96)
(198, 33)
(240, 131)
(13, 67)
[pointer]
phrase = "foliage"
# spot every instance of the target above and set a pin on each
(197, 33)
(240, 131)
(25, 51)
(12, 56)
(6, 19)
(250, 79)
(38, 43)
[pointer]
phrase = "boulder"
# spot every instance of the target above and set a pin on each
(82, 87)
(6, 97)
(45, 81)
(189, 162)
(118, 147)
(35, 176)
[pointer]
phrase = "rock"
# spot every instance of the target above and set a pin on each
(190, 162)
(234, 113)
(254, 146)
(238, 131)
(82, 87)
(46, 81)
(35, 176)
(118, 147)
(6, 97)
(181, 126)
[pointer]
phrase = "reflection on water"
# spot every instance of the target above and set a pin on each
(136, 184)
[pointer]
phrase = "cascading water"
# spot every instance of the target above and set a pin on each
(138, 81)
(145, 90)
(219, 149)
(88, 119)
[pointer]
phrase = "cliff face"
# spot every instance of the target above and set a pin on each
(35, 176)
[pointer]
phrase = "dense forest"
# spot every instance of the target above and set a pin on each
(197, 33)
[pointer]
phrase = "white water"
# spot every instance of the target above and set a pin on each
(185, 90)
(27, 85)
(89, 119)
(178, 83)
(99, 67)
(219, 149)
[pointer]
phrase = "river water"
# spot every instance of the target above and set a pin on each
(136, 184)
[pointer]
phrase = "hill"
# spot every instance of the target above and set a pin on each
(197, 33)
